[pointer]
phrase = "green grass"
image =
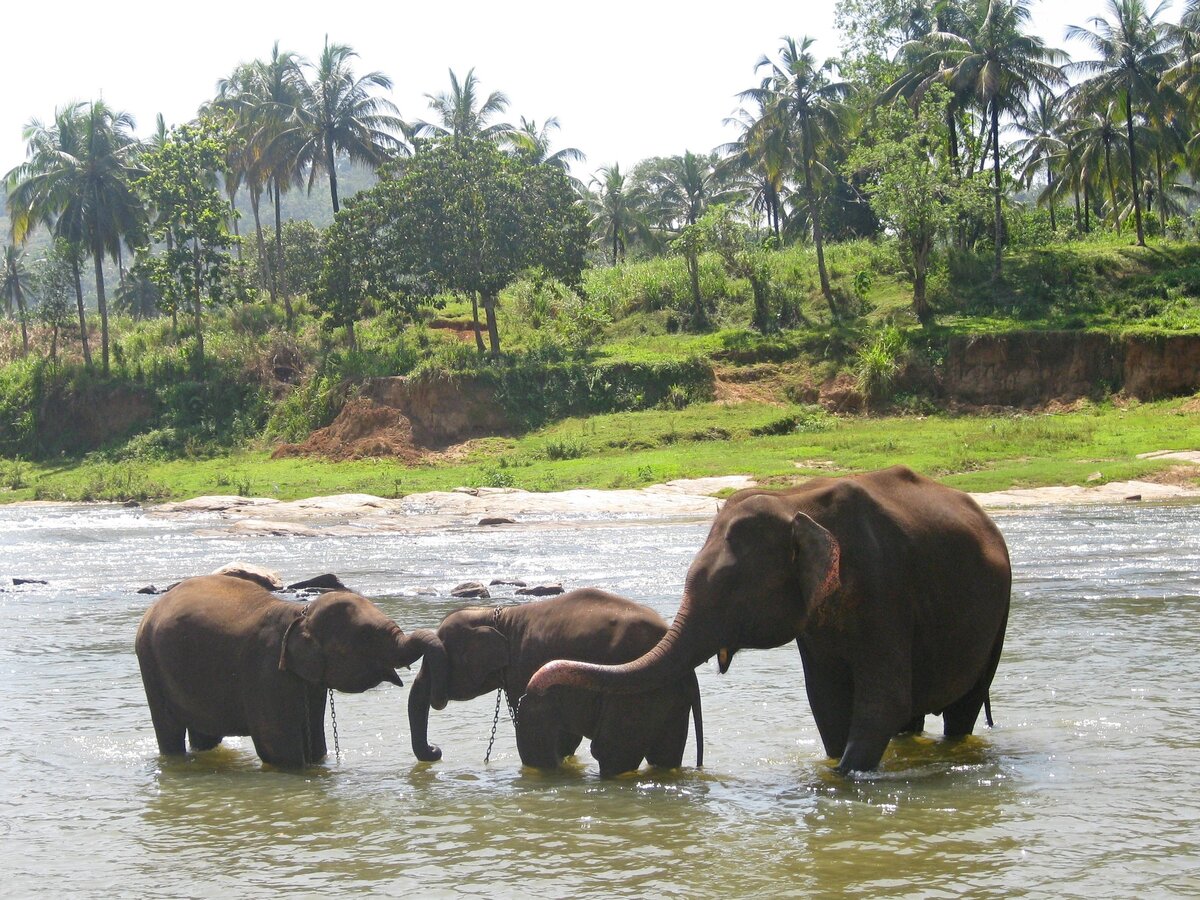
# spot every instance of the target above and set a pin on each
(774, 444)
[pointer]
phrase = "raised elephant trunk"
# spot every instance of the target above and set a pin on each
(678, 651)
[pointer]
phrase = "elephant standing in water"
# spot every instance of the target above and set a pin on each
(894, 587)
(223, 656)
(489, 648)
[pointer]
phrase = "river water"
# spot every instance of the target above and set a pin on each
(1089, 786)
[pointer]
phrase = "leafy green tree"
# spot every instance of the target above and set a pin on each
(78, 180)
(138, 296)
(1134, 51)
(14, 287)
(54, 279)
(338, 115)
(303, 245)
(532, 141)
(743, 257)
(197, 268)
(681, 188)
(465, 219)
(913, 186)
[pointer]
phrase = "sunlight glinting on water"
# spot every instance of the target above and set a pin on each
(1086, 787)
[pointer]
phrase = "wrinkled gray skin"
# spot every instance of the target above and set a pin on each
(485, 653)
(222, 656)
(894, 587)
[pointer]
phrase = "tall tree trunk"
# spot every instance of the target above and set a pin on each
(83, 330)
(265, 278)
(475, 320)
(952, 131)
(489, 309)
(1050, 193)
(810, 196)
(272, 262)
(1133, 172)
(351, 335)
(102, 305)
(22, 313)
(1112, 187)
(278, 266)
(197, 308)
(233, 217)
(1087, 209)
(1075, 192)
(54, 342)
(1162, 207)
(998, 224)
(331, 167)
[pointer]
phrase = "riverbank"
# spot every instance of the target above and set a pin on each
(684, 499)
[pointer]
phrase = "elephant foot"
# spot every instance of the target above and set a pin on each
(431, 753)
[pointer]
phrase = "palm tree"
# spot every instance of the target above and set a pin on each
(988, 56)
(77, 179)
(14, 285)
(799, 98)
(533, 143)
(1041, 144)
(338, 115)
(617, 219)
(461, 114)
(761, 158)
(1134, 51)
(685, 186)
(1094, 135)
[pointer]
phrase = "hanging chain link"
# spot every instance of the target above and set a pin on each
(495, 721)
(337, 747)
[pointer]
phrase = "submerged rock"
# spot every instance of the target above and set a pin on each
(326, 582)
(541, 590)
(471, 590)
(496, 520)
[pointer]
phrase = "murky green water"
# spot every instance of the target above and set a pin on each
(1088, 787)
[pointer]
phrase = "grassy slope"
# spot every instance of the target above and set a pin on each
(634, 449)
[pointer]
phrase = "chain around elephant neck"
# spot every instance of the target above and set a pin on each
(337, 747)
(503, 689)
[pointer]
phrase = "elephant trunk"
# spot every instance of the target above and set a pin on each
(679, 650)
(425, 645)
(418, 717)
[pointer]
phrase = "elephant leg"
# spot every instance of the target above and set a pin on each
(665, 749)
(169, 730)
(882, 708)
(568, 743)
(199, 741)
(959, 718)
(315, 708)
(830, 688)
(538, 734)
(616, 755)
(916, 725)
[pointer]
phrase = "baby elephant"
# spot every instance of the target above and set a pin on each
(222, 656)
(488, 648)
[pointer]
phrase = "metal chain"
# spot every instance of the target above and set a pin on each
(495, 721)
(337, 747)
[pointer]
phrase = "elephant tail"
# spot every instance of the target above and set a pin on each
(987, 709)
(697, 718)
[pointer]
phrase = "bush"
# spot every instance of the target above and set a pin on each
(878, 363)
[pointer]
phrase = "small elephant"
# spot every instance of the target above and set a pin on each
(894, 587)
(223, 656)
(489, 648)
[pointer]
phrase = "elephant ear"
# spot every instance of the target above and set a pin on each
(301, 653)
(817, 556)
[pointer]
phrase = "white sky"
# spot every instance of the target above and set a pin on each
(627, 80)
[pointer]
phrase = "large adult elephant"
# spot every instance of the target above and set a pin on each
(895, 588)
(493, 648)
(223, 656)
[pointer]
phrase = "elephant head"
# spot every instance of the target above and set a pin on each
(342, 640)
(762, 573)
(476, 655)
